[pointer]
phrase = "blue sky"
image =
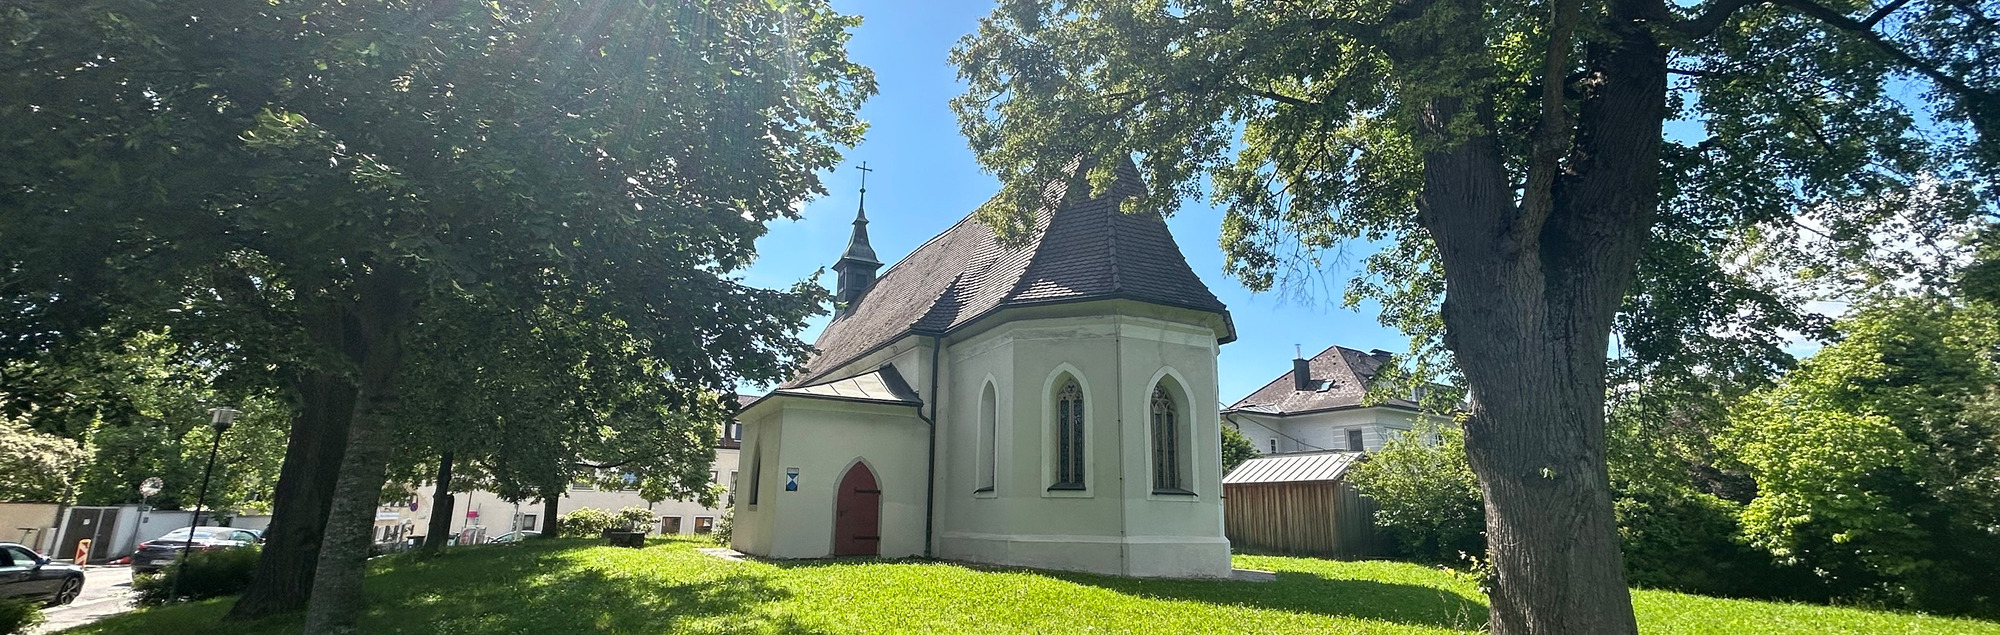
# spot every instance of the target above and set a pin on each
(925, 179)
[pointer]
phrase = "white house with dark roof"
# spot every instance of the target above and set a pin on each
(1319, 406)
(1048, 402)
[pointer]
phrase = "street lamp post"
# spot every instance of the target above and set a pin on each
(223, 417)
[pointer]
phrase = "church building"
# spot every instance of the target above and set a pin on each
(1046, 402)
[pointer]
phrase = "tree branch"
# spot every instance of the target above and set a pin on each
(1883, 12)
(1713, 18)
(1276, 96)
(1866, 32)
(1552, 133)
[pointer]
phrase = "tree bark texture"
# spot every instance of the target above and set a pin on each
(442, 503)
(1530, 303)
(325, 400)
(551, 523)
(337, 598)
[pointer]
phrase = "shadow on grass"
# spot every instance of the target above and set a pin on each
(1309, 593)
(475, 591)
(1293, 591)
(545, 588)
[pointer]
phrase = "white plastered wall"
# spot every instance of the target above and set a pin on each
(1118, 525)
(823, 438)
(498, 516)
(1318, 431)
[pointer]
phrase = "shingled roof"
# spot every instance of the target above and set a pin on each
(1340, 377)
(1081, 249)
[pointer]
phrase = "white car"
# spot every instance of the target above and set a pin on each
(513, 536)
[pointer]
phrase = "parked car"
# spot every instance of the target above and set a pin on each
(160, 552)
(513, 536)
(27, 574)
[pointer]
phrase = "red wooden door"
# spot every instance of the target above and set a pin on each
(857, 514)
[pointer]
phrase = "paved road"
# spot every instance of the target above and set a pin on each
(106, 591)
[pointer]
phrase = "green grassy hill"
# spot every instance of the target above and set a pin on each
(566, 587)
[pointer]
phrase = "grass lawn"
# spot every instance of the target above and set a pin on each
(573, 587)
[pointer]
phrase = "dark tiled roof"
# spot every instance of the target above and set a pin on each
(1344, 374)
(1082, 249)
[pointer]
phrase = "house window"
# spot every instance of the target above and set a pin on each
(704, 524)
(1274, 446)
(1354, 440)
(528, 522)
(1069, 436)
(756, 469)
(1166, 443)
(989, 427)
(670, 524)
(736, 431)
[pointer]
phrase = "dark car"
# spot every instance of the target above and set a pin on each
(26, 574)
(161, 552)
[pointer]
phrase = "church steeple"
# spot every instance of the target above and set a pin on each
(858, 264)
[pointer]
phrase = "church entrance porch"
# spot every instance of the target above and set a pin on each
(857, 515)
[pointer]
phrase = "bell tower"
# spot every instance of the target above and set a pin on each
(857, 265)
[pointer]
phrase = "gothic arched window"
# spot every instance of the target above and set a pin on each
(1166, 443)
(1069, 436)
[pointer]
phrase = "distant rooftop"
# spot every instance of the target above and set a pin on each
(1338, 378)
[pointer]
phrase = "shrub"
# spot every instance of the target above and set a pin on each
(1236, 449)
(1429, 498)
(208, 574)
(725, 527)
(19, 616)
(587, 523)
(635, 519)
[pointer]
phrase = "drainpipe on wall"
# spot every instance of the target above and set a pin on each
(930, 469)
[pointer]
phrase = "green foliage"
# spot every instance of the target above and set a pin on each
(725, 527)
(209, 573)
(1877, 460)
(36, 467)
(18, 616)
(138, 408)
(635, 519)
(588, 523)
(1236, 449)
(555, 586)
(1429, 498)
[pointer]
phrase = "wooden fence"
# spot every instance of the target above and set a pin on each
(1327, 519)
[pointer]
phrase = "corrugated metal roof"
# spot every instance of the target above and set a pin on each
(1293, 468)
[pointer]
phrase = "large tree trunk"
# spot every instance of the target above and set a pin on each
(325, 401)
(1534, 284)
(551, 523)
(442, 503)
(337, 599)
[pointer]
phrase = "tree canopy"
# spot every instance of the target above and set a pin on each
(338, 175)
(1518, 163)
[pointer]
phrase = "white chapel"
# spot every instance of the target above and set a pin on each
(1048, 402)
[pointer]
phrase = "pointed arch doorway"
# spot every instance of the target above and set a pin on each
(857, 514)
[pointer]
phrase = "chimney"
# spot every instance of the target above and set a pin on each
(1302, 379)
